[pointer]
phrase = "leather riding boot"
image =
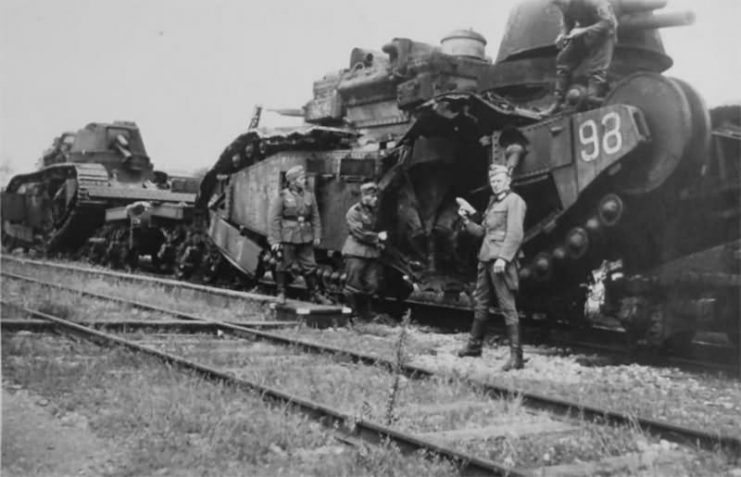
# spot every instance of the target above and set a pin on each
(475, 340)
(352, 302)
(365, 310)
(359, 304)
(280, 283)
(316, 296)
(515, 349)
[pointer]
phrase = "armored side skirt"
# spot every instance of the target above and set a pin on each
(241, 251)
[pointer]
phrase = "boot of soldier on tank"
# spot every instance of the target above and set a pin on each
(314, 293)
(475, 340)
(515, 349)
(596, 90)
(563, 79)
(280, 283)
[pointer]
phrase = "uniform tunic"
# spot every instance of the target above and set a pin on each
(361, 251)
(596, 46)
(502, 232)
(293, 221)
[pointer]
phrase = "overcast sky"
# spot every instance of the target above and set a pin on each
(189, 71)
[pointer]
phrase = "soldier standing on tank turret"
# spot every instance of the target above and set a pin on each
(588, 34)
(361, 251)
(294, 230)
(497, 272)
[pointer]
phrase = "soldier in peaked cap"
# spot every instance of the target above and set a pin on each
(497, 273)
(361, 251)
(294, 227)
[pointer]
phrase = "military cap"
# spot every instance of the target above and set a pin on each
(294, 172)
(369, 188)
(495, 169)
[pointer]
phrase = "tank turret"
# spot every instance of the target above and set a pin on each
(527, 52)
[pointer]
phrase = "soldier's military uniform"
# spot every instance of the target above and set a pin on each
(361, 251)
(502, 231)
(596, 46)
(294, 223)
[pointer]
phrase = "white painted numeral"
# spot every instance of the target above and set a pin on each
(589, 140)
(612, 140)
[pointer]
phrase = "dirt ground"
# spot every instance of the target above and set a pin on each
(37, 443)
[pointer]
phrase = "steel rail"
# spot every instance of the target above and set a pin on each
(104, 296)
(344, 423)
(170, 326)
(257, 297)
(671, 432)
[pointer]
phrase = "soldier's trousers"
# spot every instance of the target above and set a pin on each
(502, 286)
(297, 255)
(595, 50)
(363, 275)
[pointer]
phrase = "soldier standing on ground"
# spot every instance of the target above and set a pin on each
(294, 230)
(361, 251)
(588, 34)
(497, 272)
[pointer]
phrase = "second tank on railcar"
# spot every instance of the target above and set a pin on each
(84, 188)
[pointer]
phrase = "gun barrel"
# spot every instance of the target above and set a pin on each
(288, 111)
(661, 20)
(636, 6)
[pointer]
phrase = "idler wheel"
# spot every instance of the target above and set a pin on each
(577, 243)
(610, 210)
(542, 267)
(672, 119)
(559, 253)
(593, 225)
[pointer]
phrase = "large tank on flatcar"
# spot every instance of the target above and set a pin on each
(614, 181)
(86, 180)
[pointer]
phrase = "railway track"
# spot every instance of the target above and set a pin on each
(245, 362)
(559, 412)
(610, 343)
(350, 426)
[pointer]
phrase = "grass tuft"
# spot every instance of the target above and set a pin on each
(400, 359)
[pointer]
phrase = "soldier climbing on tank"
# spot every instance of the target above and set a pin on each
(361, 251)
(588, 34)
(497, 272)
(294, 230)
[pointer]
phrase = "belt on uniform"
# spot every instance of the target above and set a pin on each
(300, 220)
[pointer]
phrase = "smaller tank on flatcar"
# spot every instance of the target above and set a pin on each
(84, 184)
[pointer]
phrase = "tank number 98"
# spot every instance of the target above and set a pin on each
(589, 137)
